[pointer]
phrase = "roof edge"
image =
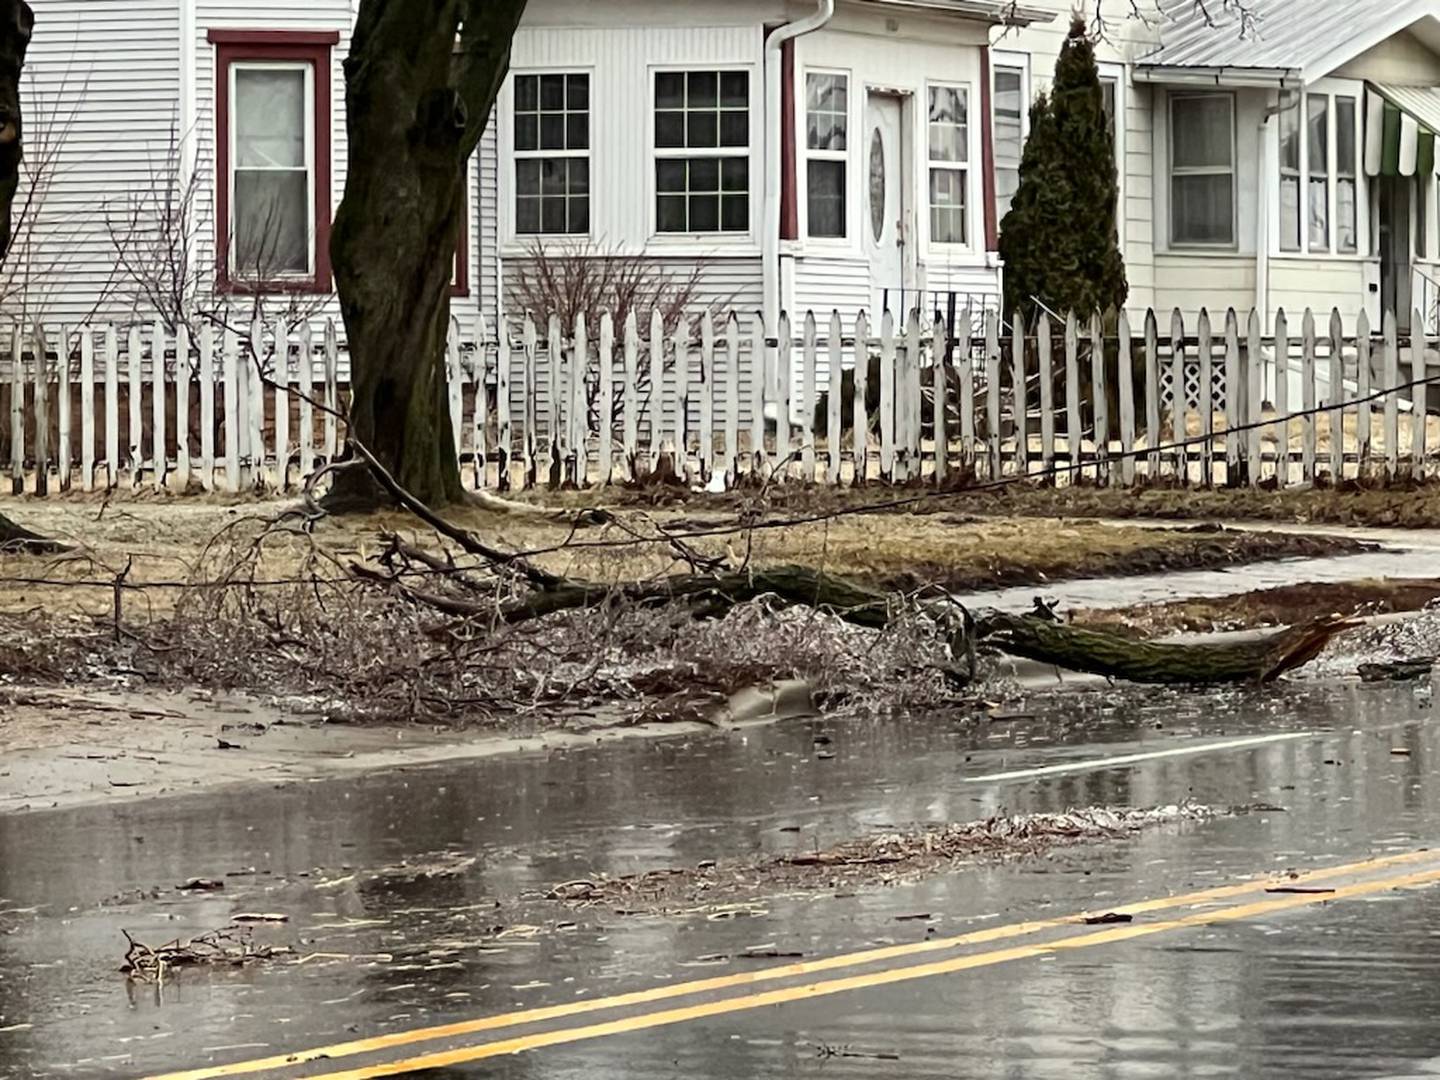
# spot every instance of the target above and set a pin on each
(1217, 75)
(995, 12)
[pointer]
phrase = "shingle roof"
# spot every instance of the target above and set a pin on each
(1276, 35)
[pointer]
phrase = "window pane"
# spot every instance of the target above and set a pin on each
(577, 93)
(1007, 182)
(669, 129)
(826, 116)
(527, 93)
(552, 92)
(705, 174)
(272, 223)
(1202, 209)
(735, 213)
(1346, 234)
(552, 131)
(702, 89)
(702, 129)
(552, 177)
(1008, 134)
(1200, 133)
(1290, 213)
(947, 206)
(1317, 137)
(1319, 215)
(1107, 99)
(735, 89)
(527, 215)
(527, 131)
(948, 140)
(527, 177)
(734, 128)
(1290, 130)
(1345, 151)
(269, 114)
(670, 213)
(579, 215)
(669, 90)
(577, 131)
(1318, 115)
(579, 176)
(826, 198)
(552, 215)
(670, 175)
(704, 213)
(735, 174)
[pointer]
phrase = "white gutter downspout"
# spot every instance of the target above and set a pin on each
(770, 237)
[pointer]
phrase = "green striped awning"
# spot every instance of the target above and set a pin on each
(1400, 127)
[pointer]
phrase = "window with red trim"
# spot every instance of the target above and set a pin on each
(273, 137)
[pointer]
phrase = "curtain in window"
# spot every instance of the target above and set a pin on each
(271, 173)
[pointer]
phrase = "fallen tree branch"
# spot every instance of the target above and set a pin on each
(1095, 652)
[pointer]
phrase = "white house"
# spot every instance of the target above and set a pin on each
(814, 154)
(1283, 160)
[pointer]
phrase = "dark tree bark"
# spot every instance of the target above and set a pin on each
(1255, 660)
(16, 23)
(420, 82)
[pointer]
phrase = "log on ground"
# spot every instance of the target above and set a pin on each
(1095, 652)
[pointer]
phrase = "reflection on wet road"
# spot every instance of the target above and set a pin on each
(1323, 987)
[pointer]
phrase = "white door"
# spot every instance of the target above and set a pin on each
(884, 222)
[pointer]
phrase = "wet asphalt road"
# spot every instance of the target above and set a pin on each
(1347, 989)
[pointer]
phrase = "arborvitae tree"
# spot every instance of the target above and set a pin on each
(1059, 240)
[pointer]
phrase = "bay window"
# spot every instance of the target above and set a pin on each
(827, 125)
(1319, 170)
(1202, 169)
(702, 151)
(949, 156)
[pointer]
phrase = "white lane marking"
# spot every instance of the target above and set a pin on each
(1130, 759)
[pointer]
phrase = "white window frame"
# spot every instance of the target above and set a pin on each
(706, 240)
(1333, 90)
(516, 155)
(1014, 62)
(846, 157)
(1170, 173)
(1118, 74)
(968, 167)
(236, 273)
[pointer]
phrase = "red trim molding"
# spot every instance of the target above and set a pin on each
(308, 47)
(987, 154)
(326, 38)
(789, 200)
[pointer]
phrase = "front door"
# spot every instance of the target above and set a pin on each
(1393, 218)
(885, 204)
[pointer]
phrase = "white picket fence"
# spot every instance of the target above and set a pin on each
(107, 407)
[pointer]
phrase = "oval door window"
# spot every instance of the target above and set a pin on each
(877, 185)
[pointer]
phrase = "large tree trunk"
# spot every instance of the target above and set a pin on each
(415, 109)
(16, 23)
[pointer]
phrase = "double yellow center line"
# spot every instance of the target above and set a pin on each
(816, 989)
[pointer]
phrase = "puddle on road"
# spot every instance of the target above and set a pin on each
(397, 939)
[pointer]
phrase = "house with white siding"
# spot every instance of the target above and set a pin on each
(1283, 158)
(814, 154)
